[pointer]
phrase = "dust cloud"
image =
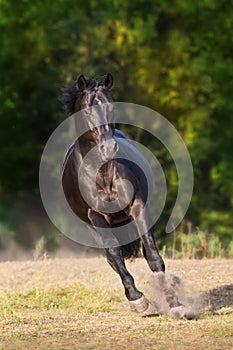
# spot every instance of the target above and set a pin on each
(168, 296)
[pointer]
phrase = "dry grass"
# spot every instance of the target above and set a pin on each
(79, 304)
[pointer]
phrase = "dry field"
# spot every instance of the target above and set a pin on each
(80, 304)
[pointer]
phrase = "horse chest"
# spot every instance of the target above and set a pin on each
(106, 191)
(106, 184)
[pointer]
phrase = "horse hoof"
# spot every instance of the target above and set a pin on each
(139, 305)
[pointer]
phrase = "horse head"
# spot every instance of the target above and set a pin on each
(92, 97)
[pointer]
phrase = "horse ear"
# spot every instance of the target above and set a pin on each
(108, 82)
(81, 83)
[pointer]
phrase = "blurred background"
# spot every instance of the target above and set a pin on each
(172, 56)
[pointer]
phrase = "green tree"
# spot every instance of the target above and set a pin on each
(175, 57)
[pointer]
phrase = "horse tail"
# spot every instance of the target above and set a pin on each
(131, 250)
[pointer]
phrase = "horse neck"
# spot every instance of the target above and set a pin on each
(82, 146)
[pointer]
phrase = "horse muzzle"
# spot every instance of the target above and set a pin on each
(108, 149)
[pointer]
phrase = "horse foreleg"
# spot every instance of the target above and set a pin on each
(151, 253)
(115, 259)
(143, 223)
(137, 300)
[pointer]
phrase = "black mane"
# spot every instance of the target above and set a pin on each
(69, 96)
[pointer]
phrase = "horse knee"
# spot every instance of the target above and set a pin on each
(156, 264)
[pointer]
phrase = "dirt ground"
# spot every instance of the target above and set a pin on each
(209, 282)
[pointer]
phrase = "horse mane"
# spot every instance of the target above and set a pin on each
(71, 93)
(69, 96)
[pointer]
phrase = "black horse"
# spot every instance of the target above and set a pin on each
(80, 95)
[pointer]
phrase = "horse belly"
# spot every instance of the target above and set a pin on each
(116, 219)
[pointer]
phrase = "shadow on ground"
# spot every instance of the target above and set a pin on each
(218, 298)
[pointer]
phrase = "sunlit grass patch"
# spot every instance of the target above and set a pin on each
(79, 298)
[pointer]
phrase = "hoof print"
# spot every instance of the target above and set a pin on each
(181, 312)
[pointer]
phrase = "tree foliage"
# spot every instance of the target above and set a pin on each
(173, 56)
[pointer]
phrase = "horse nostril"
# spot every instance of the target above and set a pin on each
(108, 149)
(115, 147)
